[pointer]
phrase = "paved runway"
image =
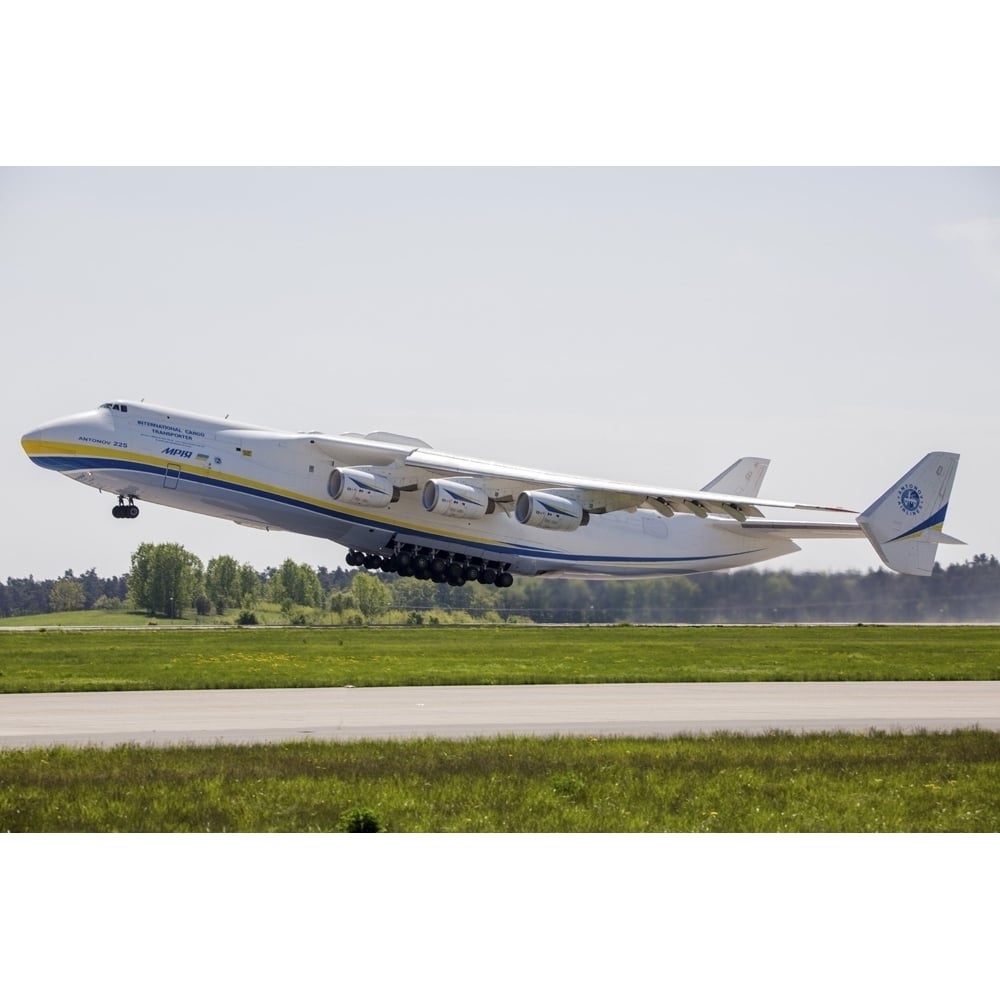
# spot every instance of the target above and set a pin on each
(251, 716)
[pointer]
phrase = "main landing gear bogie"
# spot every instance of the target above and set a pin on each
(437, 566)
(125, 509)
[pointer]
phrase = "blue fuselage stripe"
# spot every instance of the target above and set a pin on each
(71, 464)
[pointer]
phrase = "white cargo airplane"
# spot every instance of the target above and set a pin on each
(401, 507)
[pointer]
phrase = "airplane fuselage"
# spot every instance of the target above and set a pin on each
(297, 482)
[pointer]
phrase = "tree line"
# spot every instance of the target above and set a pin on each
(167, 580)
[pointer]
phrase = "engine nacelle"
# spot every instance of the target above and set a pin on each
(456, 498)
(362, 487)
(550, 510)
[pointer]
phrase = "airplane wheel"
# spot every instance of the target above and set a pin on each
(504, 580)
(132, 511)
(470, 573)
(487, 575)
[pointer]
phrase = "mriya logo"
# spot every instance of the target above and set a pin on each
(177, 452)
(910, 499)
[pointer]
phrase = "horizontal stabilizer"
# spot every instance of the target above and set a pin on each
(807, 530)
(943, 539)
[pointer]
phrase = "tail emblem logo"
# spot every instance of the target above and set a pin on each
(910, 499)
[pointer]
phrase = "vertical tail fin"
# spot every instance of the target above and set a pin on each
(905, 523)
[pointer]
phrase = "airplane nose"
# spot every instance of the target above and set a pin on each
(42, 442)
(38, 445)
(59, 437)
(33, 441)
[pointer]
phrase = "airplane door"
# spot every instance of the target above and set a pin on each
(171, 477)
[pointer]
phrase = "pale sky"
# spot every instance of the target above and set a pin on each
(647, 324)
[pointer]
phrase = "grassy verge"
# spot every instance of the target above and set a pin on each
(932, 782)
(267, 614)
(260, 658)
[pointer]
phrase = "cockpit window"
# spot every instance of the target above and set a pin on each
(121, 407)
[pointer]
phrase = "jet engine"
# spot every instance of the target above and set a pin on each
(550, 510)
(456, 498)
(362, 487)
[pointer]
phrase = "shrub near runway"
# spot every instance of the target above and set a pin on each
(160, 659)
(933, 782)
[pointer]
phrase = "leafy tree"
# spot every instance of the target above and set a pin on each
(338, 579)
(164, 578)
(26, 596)
(67, 595)
(250, 585)
(222, 583)
(290, 578)
(373, 597)
(296, 584)
(95, 588)
(341, 601)
(409, 593)
(308, 590)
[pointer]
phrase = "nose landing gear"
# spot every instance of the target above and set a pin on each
(123, 509)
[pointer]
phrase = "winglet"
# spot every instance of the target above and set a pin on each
(905, 524)
(743, 478)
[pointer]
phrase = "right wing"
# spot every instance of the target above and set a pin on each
(408, 464)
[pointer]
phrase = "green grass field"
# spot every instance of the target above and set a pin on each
(779, 782)
(924, 782)
(159, 659)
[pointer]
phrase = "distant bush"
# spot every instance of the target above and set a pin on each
(246, 618)
(569, 786)
(360, 821)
